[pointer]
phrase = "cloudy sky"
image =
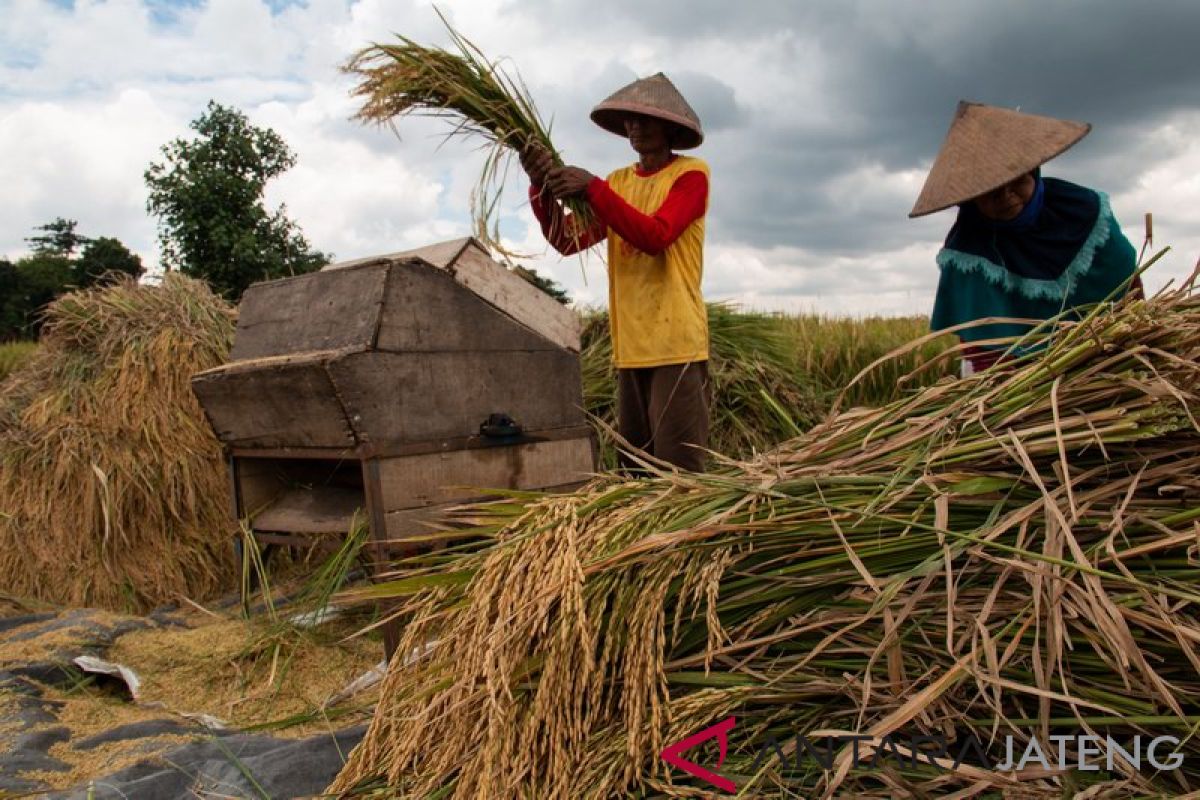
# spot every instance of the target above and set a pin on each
(822, 118)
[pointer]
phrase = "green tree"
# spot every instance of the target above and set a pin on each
(12, 303)
(40, 278)
(52, 269)
(208, 196)
(103, 256)
(59, 238)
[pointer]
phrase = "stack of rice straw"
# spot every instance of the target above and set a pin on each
(113, 490)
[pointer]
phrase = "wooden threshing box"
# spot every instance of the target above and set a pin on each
(365, 385)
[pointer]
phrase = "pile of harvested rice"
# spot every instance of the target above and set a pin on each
(1013, 554)
(247, 673)
(112, 488)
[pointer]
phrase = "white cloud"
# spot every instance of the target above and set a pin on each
(1170, 190)
(82, 160)
(91, 92)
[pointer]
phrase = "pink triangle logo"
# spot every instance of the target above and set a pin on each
(673, 754)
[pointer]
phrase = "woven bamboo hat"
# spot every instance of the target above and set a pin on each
(657, 97)
(986, 147)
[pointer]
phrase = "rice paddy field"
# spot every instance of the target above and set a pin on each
(13, 355)
(834, 351)
(777, 375)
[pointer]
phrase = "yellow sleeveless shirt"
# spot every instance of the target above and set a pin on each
(656, 311)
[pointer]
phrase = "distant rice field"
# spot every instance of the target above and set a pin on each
(832, 351)
(13, 354)
(776, 375)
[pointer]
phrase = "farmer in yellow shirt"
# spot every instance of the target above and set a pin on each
(652, 215)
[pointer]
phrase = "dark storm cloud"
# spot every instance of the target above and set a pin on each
(713, 100)
(888, 76)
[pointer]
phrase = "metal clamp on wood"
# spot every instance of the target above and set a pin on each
(500, 426)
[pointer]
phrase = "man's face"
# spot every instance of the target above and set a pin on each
(646, 134)
(1007, 201)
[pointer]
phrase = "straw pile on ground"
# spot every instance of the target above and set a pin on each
(759, 396)
(112, 491)
(1010, 554)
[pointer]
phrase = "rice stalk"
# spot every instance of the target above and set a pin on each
(478, 98)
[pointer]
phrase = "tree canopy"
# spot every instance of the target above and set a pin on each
(54, 268)
(207, 193)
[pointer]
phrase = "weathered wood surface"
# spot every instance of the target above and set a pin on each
(396, 399)
(469, 263)
(318, 311)
(275, 402)
(435, 478)
(427, 310)
(298, 453)
(440, 255)
(320, 509)
(517, 297)
(475, 440)
(423, 523)
(257, 485)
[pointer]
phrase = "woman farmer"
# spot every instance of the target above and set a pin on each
(652, 215)
(1023, 246)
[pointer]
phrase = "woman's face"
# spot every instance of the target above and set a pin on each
(1007, 201)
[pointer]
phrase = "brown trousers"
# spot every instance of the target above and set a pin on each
(664, 411)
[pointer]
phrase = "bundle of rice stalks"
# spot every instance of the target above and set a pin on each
(476, 95)
(759, 396)
(1012, 554)
(113, 491)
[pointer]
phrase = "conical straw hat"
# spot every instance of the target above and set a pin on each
(657, 97)
(986, 147)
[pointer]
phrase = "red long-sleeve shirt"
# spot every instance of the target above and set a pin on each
(650, 233)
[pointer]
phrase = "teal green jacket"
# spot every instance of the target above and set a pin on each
(973, 287)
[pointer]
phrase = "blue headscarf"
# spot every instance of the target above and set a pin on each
(1064, 250)
(1043, 239)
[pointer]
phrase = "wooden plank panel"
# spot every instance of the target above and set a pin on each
(278, 402)
(414, 481)
(321, 509)
(425, 309)
(471, 265)
(395, 399)
(259, 484)
(297, 453)
(517, 297)
(318, 311)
